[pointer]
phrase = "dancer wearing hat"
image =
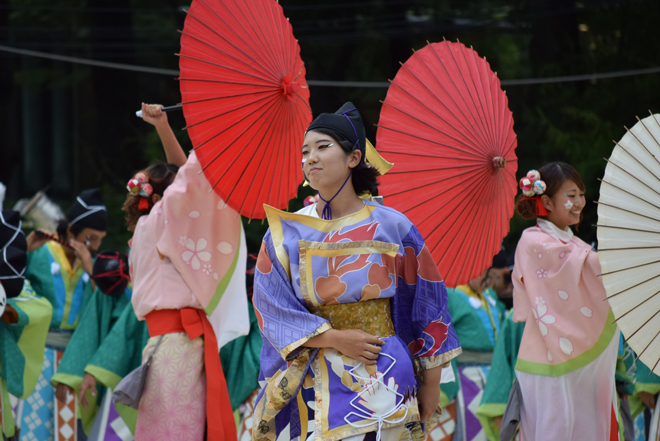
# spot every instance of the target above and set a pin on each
(188, 259)
(24, 321)
(104, 307)
(351, 305)
(61, 272)
(568, 351)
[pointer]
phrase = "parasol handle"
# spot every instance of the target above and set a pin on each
(499, 162)
(163, 109)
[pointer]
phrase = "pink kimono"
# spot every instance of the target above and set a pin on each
(568, 351)
(188, 252)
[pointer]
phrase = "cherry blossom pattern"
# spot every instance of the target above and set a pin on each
(207, 269)
(174, 397)
(586, 311)
(565, 345)
(541, 273)
(562, 294)
(542, 317)
(194, 214)
(539, 255)
(183, 240)
(195, 253)
(562, 254)
(224, 248)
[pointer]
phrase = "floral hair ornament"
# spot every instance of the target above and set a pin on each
(532, 188)
(140, 186)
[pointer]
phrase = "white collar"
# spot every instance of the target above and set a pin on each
(563, 235)
(309, 210)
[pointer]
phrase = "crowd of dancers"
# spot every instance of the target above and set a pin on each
(341, 328)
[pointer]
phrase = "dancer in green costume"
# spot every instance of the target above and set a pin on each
(102, 311)
(23, 326)
(500, 377)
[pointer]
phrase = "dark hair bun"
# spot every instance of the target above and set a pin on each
(111, 272)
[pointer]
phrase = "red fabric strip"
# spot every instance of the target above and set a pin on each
(219, 416)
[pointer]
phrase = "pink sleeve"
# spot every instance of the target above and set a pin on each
(201, 235)
(521, 307)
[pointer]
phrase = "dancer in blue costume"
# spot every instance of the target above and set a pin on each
(351, 305)
(62, 274)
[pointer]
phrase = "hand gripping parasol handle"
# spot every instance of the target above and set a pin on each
(163, 109)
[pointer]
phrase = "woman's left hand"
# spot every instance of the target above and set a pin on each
(83, 254)
(428, 399)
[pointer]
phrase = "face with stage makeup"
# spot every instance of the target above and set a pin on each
(325, 164)
(565, 207)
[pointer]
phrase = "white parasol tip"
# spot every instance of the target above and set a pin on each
(138, 113)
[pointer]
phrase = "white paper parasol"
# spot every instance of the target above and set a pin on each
(629, 237)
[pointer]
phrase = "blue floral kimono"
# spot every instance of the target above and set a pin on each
(372, 271)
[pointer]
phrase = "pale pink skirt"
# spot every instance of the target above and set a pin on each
(173, 404)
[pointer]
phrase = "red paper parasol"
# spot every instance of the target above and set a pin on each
(447, 127)
(245, 100)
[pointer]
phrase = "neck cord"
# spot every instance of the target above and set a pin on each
(327, 211)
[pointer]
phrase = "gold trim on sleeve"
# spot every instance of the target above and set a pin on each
(295, 345)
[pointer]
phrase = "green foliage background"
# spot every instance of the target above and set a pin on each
(72, 126)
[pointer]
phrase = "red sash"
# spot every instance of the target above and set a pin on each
(219, 415)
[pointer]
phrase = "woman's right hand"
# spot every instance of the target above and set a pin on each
(62, 392)
(152, 114)
(358, 345)
(89, 383)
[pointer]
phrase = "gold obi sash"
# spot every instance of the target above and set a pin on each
(372, 316)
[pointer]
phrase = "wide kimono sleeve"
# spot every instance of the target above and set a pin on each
(285, 326)
(500, 376)
(22, 343)
(283, 319)
(544, 264)
(420, 311)
(95, 323)
(121, 351)
(204, 239)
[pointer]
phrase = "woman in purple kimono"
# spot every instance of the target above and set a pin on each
(352, 308)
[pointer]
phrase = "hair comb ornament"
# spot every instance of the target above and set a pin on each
(140, 186)
(532, 188)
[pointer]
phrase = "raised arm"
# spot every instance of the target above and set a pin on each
(152, 114)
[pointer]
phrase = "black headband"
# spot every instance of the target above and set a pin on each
(347, 121)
